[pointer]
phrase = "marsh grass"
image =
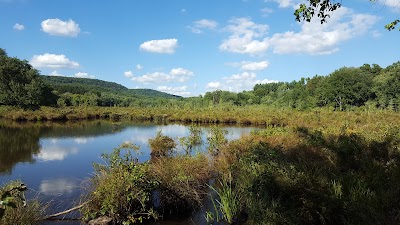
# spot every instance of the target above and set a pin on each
(342, 177)
(182, 182)
(228, 201)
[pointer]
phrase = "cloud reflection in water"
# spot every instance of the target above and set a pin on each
(57, 187)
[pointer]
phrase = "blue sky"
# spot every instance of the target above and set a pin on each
(189, 47)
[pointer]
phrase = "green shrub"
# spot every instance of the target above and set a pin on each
(121, 189)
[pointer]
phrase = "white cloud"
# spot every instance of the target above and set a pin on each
(238, 82)
(286, 3)
(18, 26)
(55, 73)
(175, 75)
(164, 46)
(246, 37)
(181, 72)
(139, 67)
(61, 28)
(394, 4)
(199, 25)
(128, 74)
(181, 91)
(52, 61)
(213, 85)
(253, 66)
(319, 39)
(83, 75)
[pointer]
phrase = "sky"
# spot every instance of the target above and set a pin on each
(190, 47)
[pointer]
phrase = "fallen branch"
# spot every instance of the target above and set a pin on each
(49, 217)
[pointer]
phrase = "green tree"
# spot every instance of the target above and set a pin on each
(20, 83)
(346, 86)
(323, 8)
(386, 87)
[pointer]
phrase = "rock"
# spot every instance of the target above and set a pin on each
(103, 220)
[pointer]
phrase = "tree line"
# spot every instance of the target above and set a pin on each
(367, 86)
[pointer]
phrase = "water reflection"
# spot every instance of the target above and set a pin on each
(55, 152)
(17, 145)
(55, 158)
(57, 187)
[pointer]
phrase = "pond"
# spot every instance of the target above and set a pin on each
(54, 159)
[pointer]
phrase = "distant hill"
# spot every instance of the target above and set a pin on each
(83, 85)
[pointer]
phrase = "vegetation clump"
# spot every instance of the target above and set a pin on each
(182, 182)
(121, 189)
(162, 146)
(15, 209)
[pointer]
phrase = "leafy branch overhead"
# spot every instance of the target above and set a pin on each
(323, 8)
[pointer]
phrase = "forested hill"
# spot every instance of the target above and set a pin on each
(85, 85)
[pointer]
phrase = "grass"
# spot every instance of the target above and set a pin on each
(182, 182)
(310, 167)
(321, 178)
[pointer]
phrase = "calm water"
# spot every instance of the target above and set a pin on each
(54, 159)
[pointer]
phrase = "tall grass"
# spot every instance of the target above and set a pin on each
(229, 200)
(182, 181)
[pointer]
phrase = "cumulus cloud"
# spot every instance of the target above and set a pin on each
(253, 66)
(175, 75)
(319, 39)
(55, 73)
(181, 91)
(213, 85)
(58, 27)
(164, 46)
(139, 67)
(286, 3)
(128, 74)
(54, 61)
(238, 82)
(199, 25)
(394, 4)
(246, 37)
(18, 26)
(84, 75)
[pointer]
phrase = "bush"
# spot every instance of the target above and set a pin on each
(162, 145)
(121, 189)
